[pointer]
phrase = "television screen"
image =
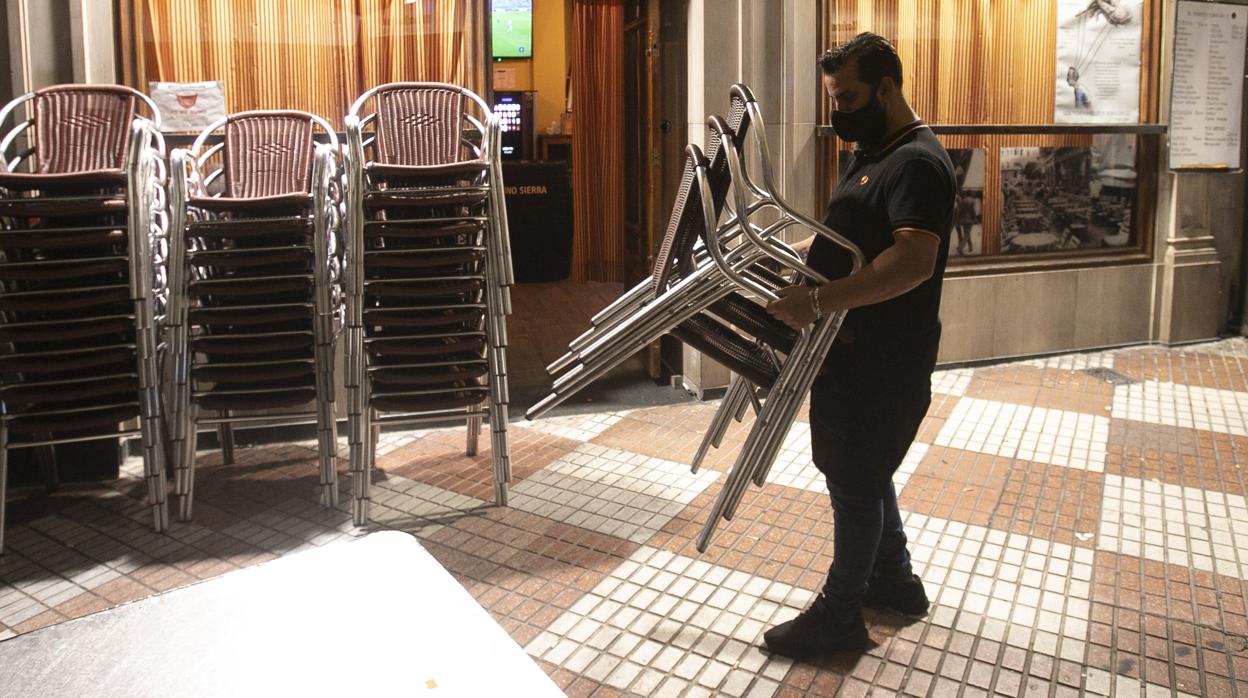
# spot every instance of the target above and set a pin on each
(512, 29)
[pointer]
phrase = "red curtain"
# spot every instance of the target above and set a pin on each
(598, 140)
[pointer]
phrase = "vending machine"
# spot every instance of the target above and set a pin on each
(515, 110)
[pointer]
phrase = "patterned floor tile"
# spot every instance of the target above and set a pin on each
(1203, 529)
(1175, 455)
(1060, 437)
(1075, 391)
(952, 381)
(581, 427)
(610, 491)
(1179, 405)
(438, 458)
(662, 613)
(1195, 367)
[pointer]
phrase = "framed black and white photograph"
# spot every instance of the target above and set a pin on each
(967, 238)
(1067, 198)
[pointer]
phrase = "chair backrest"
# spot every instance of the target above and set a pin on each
(685, 225)
(419, 125)
(268, 153)
(79, 128)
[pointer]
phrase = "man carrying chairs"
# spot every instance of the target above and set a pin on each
(895, 200)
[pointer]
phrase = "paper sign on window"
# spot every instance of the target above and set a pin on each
(188, 106)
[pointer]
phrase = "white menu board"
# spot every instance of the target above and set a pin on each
(1206, 89)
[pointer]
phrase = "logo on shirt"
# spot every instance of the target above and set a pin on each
(863, 181)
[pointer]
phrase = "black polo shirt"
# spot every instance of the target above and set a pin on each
(908, 183)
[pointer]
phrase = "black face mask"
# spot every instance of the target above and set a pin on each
(864, 125)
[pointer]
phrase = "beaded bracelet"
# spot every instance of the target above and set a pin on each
(814, 303)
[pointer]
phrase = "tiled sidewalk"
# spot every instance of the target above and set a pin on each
(1080, 523)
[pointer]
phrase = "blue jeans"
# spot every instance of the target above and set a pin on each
(868, 540)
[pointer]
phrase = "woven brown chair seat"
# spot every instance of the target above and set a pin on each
(61, 361)
(409, 174)
(423, 198)
(246, 374)
(86, 421)
(37, 239)
(420, 259)
(217, 346)
(257, 401)
(249, 317)
(95, 301)
(433, 289)
(243, 228)
(438, 319)
(245, 287)
(428, 403)
(754, 319)
(59, 331)
(77, 394)
(274, 205)
(60, 181)
(419, 346)
(248, 259)
(59, 272)
(376, 229)
(718, 341)
(430, 376)
(302, 379)
(49, 207)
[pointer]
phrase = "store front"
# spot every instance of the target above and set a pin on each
(1073, 232)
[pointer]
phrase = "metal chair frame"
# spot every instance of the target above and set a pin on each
(195, 173)
(479, 137)
(802, 364)
(146, 252)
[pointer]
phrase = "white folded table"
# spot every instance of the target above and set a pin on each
(373, 617)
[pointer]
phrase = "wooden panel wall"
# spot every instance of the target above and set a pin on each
(314, 55)
(988, 62)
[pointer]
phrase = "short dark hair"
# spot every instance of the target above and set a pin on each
(874, 56)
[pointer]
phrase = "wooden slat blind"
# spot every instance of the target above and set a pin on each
(312, 55)
(986, 62)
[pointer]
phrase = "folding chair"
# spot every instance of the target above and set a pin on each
(791, 382)
(683, 283)
(256, 299)
(82, 270)
(428, 271)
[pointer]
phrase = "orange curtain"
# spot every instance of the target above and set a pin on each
(314, 55)
(598, 140)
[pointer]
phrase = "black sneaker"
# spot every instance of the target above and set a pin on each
(902, 595)
(817, 631)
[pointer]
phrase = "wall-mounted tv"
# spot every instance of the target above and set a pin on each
(512, 28)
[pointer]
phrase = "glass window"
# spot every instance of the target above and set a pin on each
(1045, 108)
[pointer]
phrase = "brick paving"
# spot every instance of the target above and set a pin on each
(1080, 521)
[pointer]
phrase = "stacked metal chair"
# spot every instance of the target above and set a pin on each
(706, 290)
(684, 283)
(255, 288)
(788, 387)
(82, 267)
(428, 271)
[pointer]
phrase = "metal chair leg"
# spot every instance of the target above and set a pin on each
(225, 436)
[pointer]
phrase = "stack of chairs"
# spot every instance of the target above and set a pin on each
(255, 289)
(428, 270)
(684, 282)
(83, 242)
(709, 289)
